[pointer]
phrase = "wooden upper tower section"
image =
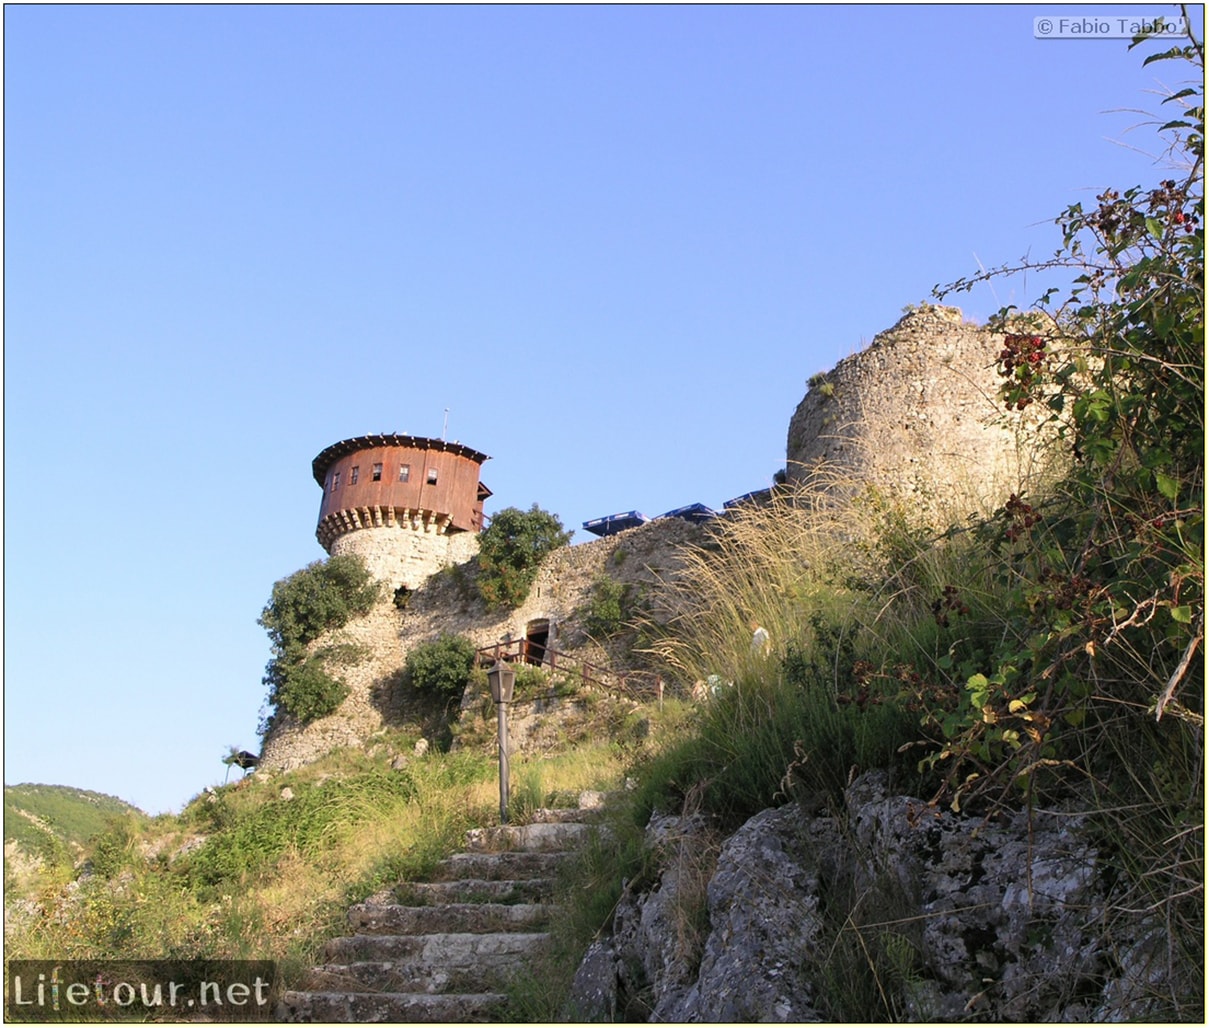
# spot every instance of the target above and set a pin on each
(404, 481)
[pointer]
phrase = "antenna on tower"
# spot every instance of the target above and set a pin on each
(445, 427)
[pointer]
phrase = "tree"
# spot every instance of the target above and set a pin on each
(512, 549)
(320, 598)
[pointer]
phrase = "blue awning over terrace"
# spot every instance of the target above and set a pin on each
(695, 512)
(614, 523)
(758, 496)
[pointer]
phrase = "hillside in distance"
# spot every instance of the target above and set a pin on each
(44, 819)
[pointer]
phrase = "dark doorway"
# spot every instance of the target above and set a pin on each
(537, 638)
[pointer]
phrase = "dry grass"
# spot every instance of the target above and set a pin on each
(343, 836)
(825, 550)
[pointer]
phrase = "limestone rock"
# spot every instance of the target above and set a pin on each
(958, 917)
(656, 952)
(765, 929)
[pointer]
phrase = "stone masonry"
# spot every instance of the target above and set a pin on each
(916, 414)
(401, 554)
(446, 603)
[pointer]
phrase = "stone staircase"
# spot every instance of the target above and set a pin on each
(443, 950)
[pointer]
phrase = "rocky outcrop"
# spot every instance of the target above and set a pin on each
(888, 909)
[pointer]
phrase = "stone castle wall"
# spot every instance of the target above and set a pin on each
(400, 555)
(446, 604)
(915, 414)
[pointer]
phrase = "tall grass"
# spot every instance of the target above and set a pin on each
(266, 868)
(251, 870)
(826, 551)
(974, 658)
(843, 579)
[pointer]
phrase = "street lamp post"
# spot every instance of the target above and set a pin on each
(502, 679)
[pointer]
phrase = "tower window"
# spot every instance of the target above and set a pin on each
(335, 480)
(432, 476)
(404, 472)
(377, 473)
(352, 475)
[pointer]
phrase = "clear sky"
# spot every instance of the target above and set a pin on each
(614, 242)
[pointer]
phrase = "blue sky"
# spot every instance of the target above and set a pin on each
(614, 242)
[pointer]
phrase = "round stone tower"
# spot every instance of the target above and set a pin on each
(408, 505)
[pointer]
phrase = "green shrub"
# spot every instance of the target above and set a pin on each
(442, 666)
(322, 597)
(111, 850)
(304, 688)
(1106, 576)
(531, 682)
(604, 614)
(511, 550)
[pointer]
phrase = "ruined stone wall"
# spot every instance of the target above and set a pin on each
(915, 414)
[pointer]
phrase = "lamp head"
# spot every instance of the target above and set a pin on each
(502, 680)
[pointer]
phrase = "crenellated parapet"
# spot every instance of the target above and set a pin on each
(351, 520)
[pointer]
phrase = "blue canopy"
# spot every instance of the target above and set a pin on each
(615, 523)
(759, 496)
(693, 512)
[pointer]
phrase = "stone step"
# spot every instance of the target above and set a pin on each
(498, 866)
(432, 952)
(379, 1007)
(451, 949)
(530, 838)
(395, 919)
(565, 815)
(473, 890)
(405, 976)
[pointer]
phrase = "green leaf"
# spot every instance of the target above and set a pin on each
(1181, 94)
(1182, 614)
(1155, 228)
(1168, 486)
(979, 687)
(1166, 55)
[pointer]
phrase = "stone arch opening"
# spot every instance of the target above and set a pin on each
(537, 638)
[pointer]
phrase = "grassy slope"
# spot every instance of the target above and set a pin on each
(266, 867)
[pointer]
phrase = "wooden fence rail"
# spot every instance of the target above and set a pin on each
(637, 685)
